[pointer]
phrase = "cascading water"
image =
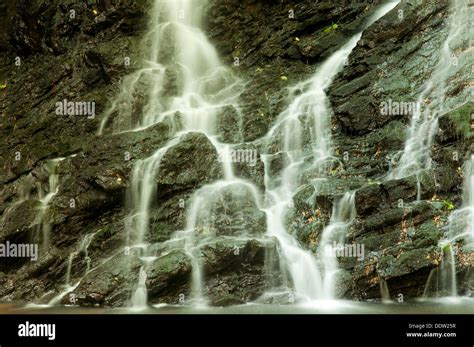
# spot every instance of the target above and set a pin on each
(141, 193)
(83, 247)
(42, 222)
(462, 220)
(469, 197)
(307, 113)
(442, 281)
(207, 203)
(433, 98)
(139, 298)
(203, 86)
(185, 83)
(332, 239)
(423, 126)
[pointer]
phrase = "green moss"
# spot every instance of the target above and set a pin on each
(333, 27)
(448, 205)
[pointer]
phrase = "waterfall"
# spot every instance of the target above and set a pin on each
(308, 112)
(332, 238)
(41, 221)
(82, 247)
(424, 122)
(179, 55)
(442, 280)
(469, 197)
(207, 203)
(175, 46)
(184, 85)
(141, 193)
(384, 290)
(184, 80)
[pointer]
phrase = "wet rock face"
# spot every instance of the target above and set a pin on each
(274, 46)
(38, 26)
(111, 284)
(191, 163)
(388, 64)
(168, 278)
(235, 271)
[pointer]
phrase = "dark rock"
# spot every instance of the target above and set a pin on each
(110, 284)
(235, 270)
(168, 277)
(190, 163)
(379, 68)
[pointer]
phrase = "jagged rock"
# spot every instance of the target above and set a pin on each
(374, 196)
(229, 125)
(169, 278)
(84, 59)
(168, 216)
(402, 259)
(415, 213)
(18, 220)
(232, 209)
(235, 270)
(190, 163)
(96, 179)
(249, 164)
(308, 216)
(110, 284)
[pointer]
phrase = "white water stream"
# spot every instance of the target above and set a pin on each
(433, 98)
(309, 111)
(176, 44)
(442, 281)
(42, 222)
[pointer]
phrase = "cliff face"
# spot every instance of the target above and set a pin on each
(53, 51)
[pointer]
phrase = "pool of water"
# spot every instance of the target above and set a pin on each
(433, 306)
